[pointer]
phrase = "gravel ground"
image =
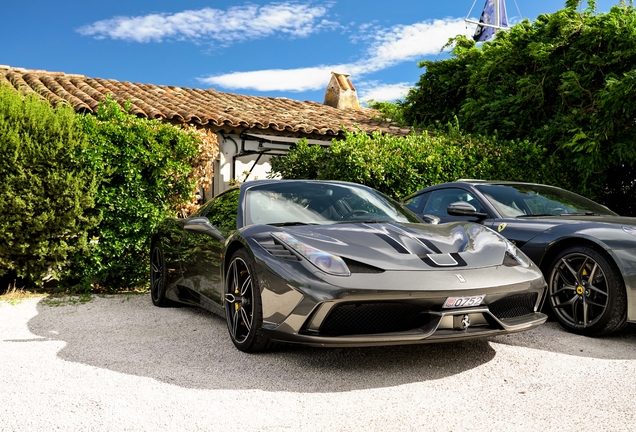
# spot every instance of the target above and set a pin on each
(118, 363)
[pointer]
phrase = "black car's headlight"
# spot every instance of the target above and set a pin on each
(325, 261)
(514, 256)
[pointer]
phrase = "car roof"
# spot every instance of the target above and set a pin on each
(474, 182)
(499, 182)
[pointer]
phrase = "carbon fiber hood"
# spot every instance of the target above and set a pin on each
(407, 246)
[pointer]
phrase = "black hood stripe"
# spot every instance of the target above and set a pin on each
(426, 242)
(394, 243)
(429, 244)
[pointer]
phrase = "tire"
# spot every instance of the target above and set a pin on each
(243, 307)
(158, 276)
(586, 292)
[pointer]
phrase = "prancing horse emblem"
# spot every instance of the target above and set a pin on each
(465, 322)
(502, 226)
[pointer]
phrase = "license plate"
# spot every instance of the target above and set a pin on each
(460, 302)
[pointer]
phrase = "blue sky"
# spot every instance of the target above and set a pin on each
(263, 48)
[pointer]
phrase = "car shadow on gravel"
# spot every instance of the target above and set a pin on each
(620, 345)
(190, 347)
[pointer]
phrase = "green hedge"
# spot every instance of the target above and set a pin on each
(81, 194)
(47, 188)
(399, 166)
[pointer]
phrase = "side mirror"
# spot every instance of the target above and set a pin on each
(430, 219)
(202, 225)
(462, 208)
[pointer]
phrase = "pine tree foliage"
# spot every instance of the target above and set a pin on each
(47, 188)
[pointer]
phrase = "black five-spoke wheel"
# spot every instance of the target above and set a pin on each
(586, 292)
(158, 276)
(243, 308)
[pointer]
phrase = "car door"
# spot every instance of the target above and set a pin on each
(513, 220)
(204, 247)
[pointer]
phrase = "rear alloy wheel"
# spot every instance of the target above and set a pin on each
(587, 292)
(242, 304)
(158, 276)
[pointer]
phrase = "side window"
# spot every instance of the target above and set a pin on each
(416, 203)
(440, 199)
(222, 211)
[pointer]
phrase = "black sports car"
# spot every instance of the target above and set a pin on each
(339, 264)
(587, 252)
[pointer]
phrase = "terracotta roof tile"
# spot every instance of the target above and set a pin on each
(224, 112)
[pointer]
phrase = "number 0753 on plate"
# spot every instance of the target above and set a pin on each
(458, 302)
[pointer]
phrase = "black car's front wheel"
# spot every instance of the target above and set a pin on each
(158, 276)
(243, 308)
(586, 292)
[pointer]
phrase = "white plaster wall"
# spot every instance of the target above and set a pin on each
(229, 146)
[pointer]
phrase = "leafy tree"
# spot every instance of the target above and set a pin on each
(47, 188)
(303, 162)
(565, 81)
(144, 168)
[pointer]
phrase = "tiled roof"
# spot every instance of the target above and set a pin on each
(226, 112)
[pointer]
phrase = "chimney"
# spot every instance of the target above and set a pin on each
(341, 93)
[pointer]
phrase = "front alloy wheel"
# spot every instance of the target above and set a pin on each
(158, 276)
(586, 292)
(242, 303)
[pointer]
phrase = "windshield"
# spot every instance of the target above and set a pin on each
(290, 202)
(538, 200)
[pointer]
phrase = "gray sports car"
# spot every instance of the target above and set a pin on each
(586, 251)
(338, 264)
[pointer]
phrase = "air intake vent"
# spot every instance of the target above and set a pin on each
(371, 318)
(514, 306)
(279, 251)
(358, 267)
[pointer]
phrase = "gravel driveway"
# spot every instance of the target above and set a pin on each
(118, 363)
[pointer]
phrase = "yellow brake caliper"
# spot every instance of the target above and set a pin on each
(579, 289)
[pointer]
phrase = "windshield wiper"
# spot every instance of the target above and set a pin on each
(368, 221)
(535, 215)
(291, 223)
(581, 214)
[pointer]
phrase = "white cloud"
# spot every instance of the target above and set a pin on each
(297, 80)
(407, 42)
(382, 92)
(390, 47)
(234, 24)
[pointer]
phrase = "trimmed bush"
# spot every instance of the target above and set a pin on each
(47, 188)
(399, 166)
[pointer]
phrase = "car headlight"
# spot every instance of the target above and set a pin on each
(325, 261)
(514, 256)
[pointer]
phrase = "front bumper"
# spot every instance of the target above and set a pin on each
(441, 328)
(405, 309)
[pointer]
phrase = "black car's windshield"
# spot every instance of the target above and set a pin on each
(523, 200)
(303, 203)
